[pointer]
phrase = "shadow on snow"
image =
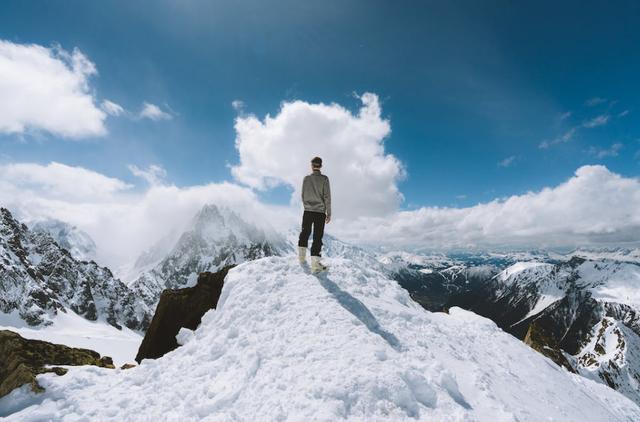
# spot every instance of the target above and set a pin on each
(358, 309)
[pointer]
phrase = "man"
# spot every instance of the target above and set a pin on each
(316, 198)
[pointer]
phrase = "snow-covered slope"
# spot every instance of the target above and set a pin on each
(77, 242)
(72, 330)
(351, 344)
(216, 238)
(39, 279)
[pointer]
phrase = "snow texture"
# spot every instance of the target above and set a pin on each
(72, 330)
(347, 345)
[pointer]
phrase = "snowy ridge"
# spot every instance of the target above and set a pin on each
(286, 345)
(77, 242)
(216, 237)
(39, 279)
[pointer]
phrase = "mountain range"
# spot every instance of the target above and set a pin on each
(579, 309)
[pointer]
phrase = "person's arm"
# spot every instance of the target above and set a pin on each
(304, 179)
(327, 199)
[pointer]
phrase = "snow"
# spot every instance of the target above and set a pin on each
(612, 281)
(519, 267)
(73, 330)
(543, 302)
(351, 344)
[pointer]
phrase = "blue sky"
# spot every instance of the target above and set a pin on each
(465, 85)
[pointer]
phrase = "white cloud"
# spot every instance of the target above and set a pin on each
(153, 112)
(623, 113)
(47, 89)
(154, 174)
(238, 105)
(595, 206)
(596, 121)
(59, 181)
(565, 115)
(608, 152)
(123, 221)
(277, 151)
(112, 108)
(594, 101)
(507, 162)
(566, 137)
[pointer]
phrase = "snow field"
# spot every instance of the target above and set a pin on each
(347, 345)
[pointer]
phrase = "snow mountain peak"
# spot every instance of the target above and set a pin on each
(215, 238)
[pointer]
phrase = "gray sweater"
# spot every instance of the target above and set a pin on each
(316, 193)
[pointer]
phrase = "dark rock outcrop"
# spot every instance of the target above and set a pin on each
(22, 359)
(180, 308)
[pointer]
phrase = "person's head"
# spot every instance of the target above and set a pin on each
(316, 163)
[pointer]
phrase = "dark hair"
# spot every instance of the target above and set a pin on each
(316, 162)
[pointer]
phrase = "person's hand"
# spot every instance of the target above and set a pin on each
(327, 220)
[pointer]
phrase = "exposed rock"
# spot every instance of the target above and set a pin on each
(23, 359)
(128, 366)
(544, 343)
(39, 278)
(180, 308)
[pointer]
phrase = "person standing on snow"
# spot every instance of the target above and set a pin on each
(316, 198)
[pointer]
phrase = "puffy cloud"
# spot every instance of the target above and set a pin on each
(122, 220)
(153, 112)
(47, 89)
(595, 206)
(112, 108)
(277, 151)
(60, 181)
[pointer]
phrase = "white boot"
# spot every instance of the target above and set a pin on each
(302, 254)
(316, 265)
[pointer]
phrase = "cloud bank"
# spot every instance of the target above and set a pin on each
(594, 207)
(277, 151)
(124, 221)
(47, 89)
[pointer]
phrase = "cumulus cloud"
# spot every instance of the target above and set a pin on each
(595, 206)
(123, 221)
(58, 181)
(277, 151)
(47, 89)
(153, 112)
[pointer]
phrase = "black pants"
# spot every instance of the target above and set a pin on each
(316, 219)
